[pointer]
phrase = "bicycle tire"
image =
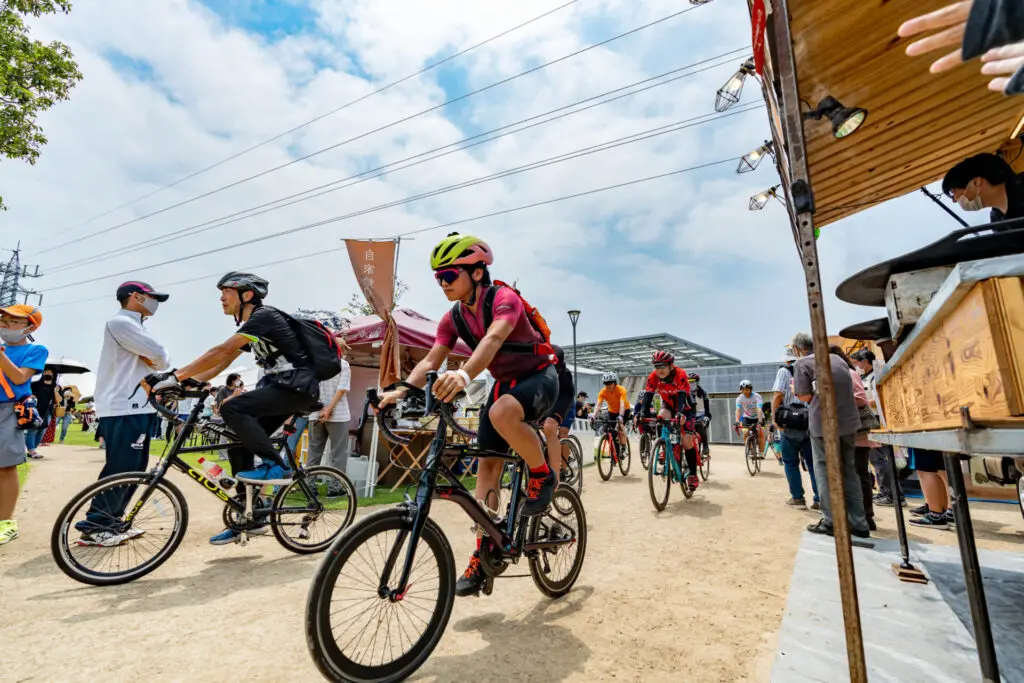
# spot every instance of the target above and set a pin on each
(575, 464)
(659, 479)
(556, 589)
(625, 457)
(602, 459)
(61, 550)
(645, 446)
(279, 506)
(323, 648)
(750, 453)
(705, 466)
(758, 462)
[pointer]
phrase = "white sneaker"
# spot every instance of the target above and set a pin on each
(105, 539)
(129, 534)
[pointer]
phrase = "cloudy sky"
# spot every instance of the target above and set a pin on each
(172, 87)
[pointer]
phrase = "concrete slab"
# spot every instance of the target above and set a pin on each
(911, 632)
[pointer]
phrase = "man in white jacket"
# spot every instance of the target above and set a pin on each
(126, 421)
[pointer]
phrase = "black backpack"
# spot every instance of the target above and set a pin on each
(323, 355)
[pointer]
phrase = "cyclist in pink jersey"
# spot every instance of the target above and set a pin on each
(494, 323)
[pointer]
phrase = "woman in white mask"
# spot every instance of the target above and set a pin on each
(986, 181)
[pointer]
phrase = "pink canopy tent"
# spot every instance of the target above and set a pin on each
(415, 332)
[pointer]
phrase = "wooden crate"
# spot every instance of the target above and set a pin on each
(969, 352)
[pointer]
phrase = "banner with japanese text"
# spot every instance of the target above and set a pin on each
(374, 266)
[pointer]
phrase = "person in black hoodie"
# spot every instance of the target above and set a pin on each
(986, 181)
(44, 390)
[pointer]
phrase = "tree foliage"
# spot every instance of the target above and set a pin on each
(357, 304)
(33, 77)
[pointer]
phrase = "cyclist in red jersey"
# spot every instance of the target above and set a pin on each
(672, 384)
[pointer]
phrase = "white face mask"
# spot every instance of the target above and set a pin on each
(970, 204)
(10, 336)
(150, 304)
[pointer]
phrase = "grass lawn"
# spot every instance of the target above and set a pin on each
(23, 474)
(382, 495)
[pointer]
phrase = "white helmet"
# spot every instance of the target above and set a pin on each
(745, 384)
(609, 377)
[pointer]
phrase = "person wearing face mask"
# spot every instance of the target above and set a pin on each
(19, 361)
(45, 390)
(126, 419)
(986, 181)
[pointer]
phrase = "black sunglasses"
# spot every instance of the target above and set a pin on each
(447, 275)
(660, 366)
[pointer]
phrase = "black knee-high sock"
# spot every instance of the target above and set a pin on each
(691, 460)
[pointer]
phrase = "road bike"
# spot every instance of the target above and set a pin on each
(751, 449)
(95, 542)
(665, 469)
(704, 459)
(395, 568)
(610, 451)
(648, 435)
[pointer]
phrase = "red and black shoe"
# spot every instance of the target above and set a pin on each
(472, 580)
(539, 491)
(693, 481)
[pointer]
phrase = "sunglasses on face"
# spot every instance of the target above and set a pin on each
(660, 366)
(447, 276)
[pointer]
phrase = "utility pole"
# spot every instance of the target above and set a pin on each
(11, 290)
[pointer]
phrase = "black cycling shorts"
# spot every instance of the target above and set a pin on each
(561, 411)
(748, 421)
(928, 461)
(536, 393)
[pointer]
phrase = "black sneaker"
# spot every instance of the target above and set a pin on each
(920, 511)
(820, 528)
(472, 580)
(871, 524)
(705, 450)
(538, 494)
(950, 519)
(931, 520)
(884, 500)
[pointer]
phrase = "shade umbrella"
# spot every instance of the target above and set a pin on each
(67, 366)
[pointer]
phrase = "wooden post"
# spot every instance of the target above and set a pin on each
(801, 207)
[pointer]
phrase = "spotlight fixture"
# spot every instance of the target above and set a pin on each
(729, 94)
(748, 162)
(761, 199)
(845, 120)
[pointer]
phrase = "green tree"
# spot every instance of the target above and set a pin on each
(357, 304)
(33, 77)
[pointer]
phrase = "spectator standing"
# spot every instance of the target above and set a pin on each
(862, 445)
(795, 442)
(986, 181)
(331, 422)
(19, 361)
(126, 418)
(848, 421)
(45, 391)
(68, 402)
(864, 360)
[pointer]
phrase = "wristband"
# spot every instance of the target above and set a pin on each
(464, 375)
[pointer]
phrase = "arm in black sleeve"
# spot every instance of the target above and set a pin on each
(707, 403)
(645, 405)
(992, 23)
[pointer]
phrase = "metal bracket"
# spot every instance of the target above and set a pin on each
(967, 428)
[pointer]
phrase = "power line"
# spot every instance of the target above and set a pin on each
(370, 132)
(390, 167)
(493, 214)
(390, 85)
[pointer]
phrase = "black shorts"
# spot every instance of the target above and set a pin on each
(748, 421)
(536, 393)
(928, 461)
(563, 405)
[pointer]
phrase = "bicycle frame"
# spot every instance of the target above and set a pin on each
(668, 427)
(171, 459)
(509, 538)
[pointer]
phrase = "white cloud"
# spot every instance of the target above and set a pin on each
(681, 254)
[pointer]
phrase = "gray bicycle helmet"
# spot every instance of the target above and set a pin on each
(245, 282)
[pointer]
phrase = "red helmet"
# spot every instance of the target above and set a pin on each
(662, 357)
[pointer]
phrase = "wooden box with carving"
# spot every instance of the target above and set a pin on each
(967, 350)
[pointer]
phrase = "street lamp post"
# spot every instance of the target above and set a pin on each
(574, 317)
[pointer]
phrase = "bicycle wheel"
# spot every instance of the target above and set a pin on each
(645, 447)
(605, 451)
(362, 647)
(104, 550)
(318, 519)
(554, 571)
(751, 456)
(659, 479)
(574, 466)
(625, 453)
(705, 466)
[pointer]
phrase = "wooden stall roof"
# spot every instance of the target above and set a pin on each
(919, 124)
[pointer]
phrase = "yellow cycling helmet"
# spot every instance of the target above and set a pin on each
(460, 250)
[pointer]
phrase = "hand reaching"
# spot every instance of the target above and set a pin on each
(1002, 62)
(952, 20)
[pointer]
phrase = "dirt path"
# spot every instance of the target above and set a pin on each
(693, 593)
